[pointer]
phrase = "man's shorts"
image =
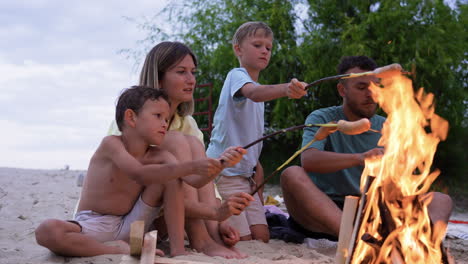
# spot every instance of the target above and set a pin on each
(111, 227)
(254, 214)
(316, 235)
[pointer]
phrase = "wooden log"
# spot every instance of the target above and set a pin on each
(149, 248)
(357, 222)
(346, 228)
(137, 231)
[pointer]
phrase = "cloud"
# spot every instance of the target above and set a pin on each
(61, 75)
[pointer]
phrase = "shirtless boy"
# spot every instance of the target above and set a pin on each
(129, 178)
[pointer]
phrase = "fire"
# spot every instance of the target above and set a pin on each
(396, 220)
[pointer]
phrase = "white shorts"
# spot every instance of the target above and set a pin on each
(111, 227)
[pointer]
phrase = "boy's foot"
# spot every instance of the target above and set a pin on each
(238, 252)
(213, 249)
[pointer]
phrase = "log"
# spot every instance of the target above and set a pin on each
(357, 222)
(149, 248)
(137, 231)
(346, 228)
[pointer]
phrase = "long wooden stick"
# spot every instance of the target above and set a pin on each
(284, 130)
(282, 165)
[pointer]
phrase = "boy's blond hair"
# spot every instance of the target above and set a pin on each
(250, 29)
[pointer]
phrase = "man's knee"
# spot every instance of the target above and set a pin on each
(442, 201)
(291, 175)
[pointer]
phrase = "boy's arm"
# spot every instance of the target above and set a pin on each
(167, 169)
(262, 93)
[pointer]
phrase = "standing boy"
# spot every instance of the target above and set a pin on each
(129, 178)
(239, 120)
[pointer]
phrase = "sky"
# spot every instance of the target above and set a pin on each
(60, 75)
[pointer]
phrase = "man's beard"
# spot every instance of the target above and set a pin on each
(362, 113)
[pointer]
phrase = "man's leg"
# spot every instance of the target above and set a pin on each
(440, 207)
(307, 204)
(64, 238)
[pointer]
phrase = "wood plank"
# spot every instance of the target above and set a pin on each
(346, 228)
(149, 248)
(137, 231)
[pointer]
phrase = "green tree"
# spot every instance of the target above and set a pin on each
(426, 36)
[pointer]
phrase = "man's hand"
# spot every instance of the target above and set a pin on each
(228, 234)
(295, 89)
(233, 205)
(232, 155)
(372, 154)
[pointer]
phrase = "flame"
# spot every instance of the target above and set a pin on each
(396, 215)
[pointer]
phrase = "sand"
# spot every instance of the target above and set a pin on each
(28, 197)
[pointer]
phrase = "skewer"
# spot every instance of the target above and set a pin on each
(379, 71)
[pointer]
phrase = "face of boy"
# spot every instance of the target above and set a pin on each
(179, 81)
(254, 51)
(357, 97)
(152, 121)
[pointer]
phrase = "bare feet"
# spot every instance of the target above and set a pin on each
(239, 253)
(213, 249)
(180, 252)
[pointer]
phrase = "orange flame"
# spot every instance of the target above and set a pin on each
(396, 214)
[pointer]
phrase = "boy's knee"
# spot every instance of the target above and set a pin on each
(48, 232)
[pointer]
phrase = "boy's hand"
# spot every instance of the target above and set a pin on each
(233, 205)
(232, 155)
(229, 235)
(296, 89)
(207, 166)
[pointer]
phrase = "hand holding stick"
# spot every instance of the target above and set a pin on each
(346, 127)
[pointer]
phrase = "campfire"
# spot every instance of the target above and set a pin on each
(393, 224)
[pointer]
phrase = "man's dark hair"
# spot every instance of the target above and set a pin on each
(363, 62)
(134, 98)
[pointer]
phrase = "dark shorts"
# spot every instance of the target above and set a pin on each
(316, 235)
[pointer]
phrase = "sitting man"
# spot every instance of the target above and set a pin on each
(331, 168)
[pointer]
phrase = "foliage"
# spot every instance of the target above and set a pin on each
(425, 36)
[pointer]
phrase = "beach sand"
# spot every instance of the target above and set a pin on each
(27, 197)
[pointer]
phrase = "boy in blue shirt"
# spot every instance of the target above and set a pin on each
(239, 120)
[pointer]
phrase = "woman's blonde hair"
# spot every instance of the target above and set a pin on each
(159, 60)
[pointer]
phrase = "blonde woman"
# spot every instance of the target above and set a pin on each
(171, 67)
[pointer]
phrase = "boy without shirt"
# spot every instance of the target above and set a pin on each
(129, 178)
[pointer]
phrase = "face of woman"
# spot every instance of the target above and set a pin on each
(179, 81)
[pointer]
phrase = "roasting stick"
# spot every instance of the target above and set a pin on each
(347, 127)
(381, 72)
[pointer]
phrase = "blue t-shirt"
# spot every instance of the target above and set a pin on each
(237, 122)
(344, 182)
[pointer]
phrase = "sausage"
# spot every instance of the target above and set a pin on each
(323, 132)
(354, 127)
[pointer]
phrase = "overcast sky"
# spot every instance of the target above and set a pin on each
(60, 74)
